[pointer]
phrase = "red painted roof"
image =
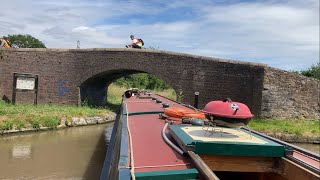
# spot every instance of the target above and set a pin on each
(150, 151)
(311, 161)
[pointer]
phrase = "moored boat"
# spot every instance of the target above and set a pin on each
(145, 145)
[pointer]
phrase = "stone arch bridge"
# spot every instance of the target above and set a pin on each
(67, 76)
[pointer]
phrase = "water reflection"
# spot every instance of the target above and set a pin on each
(73, 153)
(21, 151)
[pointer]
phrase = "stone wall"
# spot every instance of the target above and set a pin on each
(289, 95)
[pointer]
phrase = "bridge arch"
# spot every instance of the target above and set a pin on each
(93, 90)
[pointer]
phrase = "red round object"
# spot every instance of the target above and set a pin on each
(228, 109)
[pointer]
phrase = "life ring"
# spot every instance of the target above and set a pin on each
(182, 112)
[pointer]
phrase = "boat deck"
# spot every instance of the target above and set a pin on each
(150, 151)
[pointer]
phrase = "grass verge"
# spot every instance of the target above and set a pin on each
(303, 127)
(21, 116)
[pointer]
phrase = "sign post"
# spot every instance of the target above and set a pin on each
(23, 83)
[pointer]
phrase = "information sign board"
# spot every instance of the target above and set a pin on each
(25, 83)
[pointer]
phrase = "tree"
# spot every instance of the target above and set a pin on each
(142, 81)
(24, 41)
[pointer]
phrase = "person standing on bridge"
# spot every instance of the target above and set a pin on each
(4, 43)
(136, 42)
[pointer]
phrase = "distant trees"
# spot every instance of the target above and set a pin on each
(24, 41)
(142, 81)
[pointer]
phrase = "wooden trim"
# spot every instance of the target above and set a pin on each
(202, 167)
(293, 171)
(282, 166)
(240, 163)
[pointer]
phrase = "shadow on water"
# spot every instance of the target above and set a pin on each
(95, 163)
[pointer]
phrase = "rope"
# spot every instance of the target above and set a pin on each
(169, 142)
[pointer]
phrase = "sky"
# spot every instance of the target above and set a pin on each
(280, 33)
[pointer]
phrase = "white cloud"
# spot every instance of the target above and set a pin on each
(283, 34)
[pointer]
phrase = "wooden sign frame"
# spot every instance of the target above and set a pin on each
(23, 82)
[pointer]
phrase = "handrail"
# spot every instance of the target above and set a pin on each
(299, 149)
(169, 142)
(143, 112)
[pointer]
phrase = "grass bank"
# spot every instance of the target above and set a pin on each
(297, 127)
(26, 116)
(291, 130)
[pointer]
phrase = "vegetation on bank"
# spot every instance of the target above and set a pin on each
(26, 115)
(306, 128)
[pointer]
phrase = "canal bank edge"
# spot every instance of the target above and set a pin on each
(84, 121)
(75, 121)
(292, 138)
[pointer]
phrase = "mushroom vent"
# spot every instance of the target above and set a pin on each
(228, 109)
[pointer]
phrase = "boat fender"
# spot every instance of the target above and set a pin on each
(197, 122)
(158, 101)
(165, 105)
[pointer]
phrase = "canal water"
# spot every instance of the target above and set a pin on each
(72, 153)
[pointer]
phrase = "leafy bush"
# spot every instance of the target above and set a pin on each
(313, 71)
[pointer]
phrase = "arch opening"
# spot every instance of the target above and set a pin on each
(106, 89)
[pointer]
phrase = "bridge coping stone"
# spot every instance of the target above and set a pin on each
(232, 61)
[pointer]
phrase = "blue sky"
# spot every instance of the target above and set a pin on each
(282, 34)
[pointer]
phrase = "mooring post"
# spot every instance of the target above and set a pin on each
(196, 99)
